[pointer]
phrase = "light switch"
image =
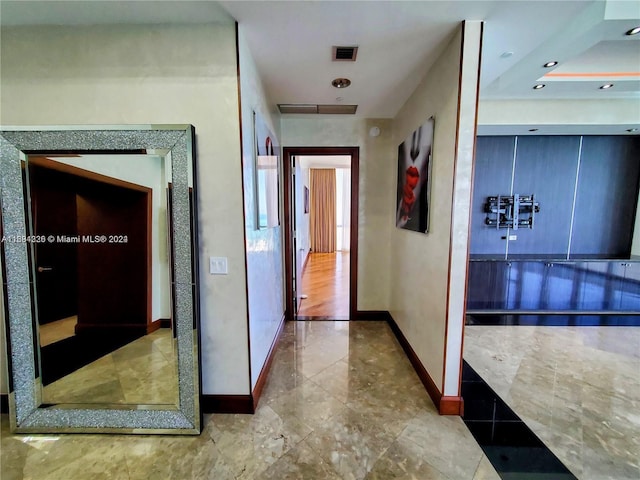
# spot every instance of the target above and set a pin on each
(513, 237)
(218, 266)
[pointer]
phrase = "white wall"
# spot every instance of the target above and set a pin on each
(559, 112)
(302, 222)
(264, 247)
(141, 74)
(422, 303)
(376, 195)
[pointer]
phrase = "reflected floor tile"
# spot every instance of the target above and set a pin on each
(300, 462)
(446, 444)
(350, 442)
(309, 403)
(403, 460)
(577, 388)
(138, 372)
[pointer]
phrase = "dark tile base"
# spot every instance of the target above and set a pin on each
(513, 449)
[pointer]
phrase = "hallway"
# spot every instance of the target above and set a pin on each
(341, 402)
(325, 282)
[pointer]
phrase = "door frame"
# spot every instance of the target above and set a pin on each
(287, 154)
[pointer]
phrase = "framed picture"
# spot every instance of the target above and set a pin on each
(267, 175)
(414, 179)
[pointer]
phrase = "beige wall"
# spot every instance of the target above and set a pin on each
(376, 194)
(559, 112)
(421, 301)
(153, 74)
(265, 270)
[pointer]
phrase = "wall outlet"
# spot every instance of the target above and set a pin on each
(513, 237)
(218, 266)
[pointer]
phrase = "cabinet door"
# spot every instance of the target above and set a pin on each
(488, 285)
(603, 286)
(630, 294)
(606, 196)
(492, 176)
(561, 286)
(546, 166)
(526, 285)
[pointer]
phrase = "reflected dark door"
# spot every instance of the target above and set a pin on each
(113, 276)
(53, 209)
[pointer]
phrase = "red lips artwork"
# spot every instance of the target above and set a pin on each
(408, 198)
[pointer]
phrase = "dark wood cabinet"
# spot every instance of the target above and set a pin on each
(553, 286)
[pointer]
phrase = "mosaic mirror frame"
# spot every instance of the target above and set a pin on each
(176, 144)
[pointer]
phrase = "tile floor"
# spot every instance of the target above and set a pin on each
(55, 331)
(140, 372)
(342, 402)
(577, 388)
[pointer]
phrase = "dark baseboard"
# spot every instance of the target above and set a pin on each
(451, 406)
(4, 403)
(445, 405)
(164, 322)
(153, 326)
(264, 373)
(380, 315)
(227, 404)
(316, 318)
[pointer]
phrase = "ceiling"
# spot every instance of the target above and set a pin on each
(398, 41)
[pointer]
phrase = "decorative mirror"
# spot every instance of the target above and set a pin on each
(99, 267)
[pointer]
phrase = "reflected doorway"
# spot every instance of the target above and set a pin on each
(321, 225)
(101, 279)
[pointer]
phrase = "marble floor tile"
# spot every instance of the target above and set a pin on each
(341, 402)
(141, 372)
(577, 388)
(58, 330)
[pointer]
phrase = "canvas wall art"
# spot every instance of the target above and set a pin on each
(414, 179)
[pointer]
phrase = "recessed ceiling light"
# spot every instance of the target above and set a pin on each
(341, 82)
(539, 86)
(550, 64)
(631, 130)
(606, 85)
(633, 31)
(533, 129)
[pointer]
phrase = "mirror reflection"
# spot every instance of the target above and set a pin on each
(100, 261)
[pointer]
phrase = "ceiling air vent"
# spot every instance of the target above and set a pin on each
(338, 109)
(344, 54)
(297, 108)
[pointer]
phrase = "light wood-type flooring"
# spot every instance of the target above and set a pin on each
(325, 282)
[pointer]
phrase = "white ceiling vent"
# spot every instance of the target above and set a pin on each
(318, 109)
(344, 54)
(337, 109)
(297, 108)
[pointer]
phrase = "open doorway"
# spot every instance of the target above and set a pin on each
(321, 193)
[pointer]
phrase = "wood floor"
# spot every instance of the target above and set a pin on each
(326, 283)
